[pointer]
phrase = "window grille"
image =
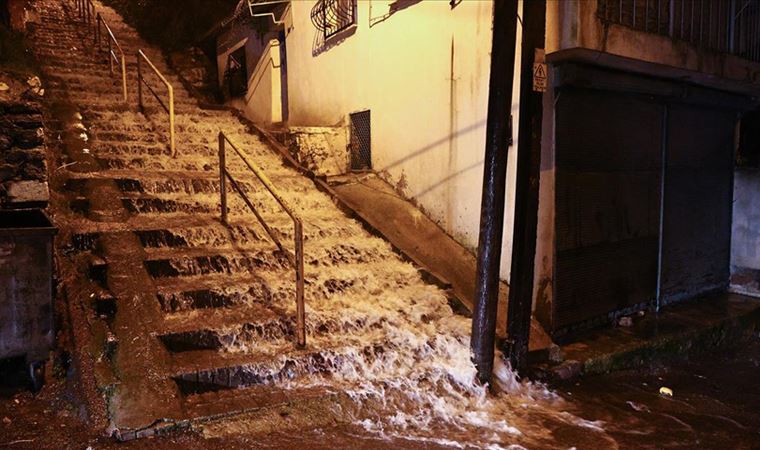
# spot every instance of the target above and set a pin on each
(333, 16)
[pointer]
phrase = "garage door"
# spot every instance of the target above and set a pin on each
(698, 202)
(608, 166)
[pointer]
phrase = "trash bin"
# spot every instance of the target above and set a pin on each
(26, 289)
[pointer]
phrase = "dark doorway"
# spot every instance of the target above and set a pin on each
(361, 141)
(237, 73)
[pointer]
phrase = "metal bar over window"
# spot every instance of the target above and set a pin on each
(333, 16)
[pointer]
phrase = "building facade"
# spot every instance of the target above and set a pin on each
(641, 119)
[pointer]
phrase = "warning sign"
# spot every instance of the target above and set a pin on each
(539, 77)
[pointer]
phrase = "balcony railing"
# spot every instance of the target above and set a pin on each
(725, 26)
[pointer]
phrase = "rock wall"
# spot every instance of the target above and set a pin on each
(23, 166)
(323, 150)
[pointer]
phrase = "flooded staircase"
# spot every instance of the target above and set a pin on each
(190, 321)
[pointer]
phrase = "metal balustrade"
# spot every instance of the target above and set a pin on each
(88, 14)
(141, 57)
(725, 26)
(295, 260)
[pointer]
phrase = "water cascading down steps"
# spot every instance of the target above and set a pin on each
(190, 321)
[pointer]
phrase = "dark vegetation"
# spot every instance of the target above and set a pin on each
(173, 24)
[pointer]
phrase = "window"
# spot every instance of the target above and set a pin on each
(333, 16)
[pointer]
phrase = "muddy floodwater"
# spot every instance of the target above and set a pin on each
(716, 405)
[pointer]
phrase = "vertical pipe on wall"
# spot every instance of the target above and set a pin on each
(494, 183)
(528, 175)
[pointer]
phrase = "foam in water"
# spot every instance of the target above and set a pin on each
(409, 365)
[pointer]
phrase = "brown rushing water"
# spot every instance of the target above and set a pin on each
(716, 406)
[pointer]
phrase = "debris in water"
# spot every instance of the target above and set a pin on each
(637, 406)
(34, 82)
(666, 391)
(7, 420)
(4, 87)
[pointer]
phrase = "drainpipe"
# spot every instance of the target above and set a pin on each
(494, 181)
(528, 175)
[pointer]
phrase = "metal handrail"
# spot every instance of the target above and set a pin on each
(169, 109)
(112, 56)
(297, 259)
(87, 12)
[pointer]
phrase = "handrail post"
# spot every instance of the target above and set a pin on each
(139, 82)
(110, 56)
(300, 307)
(172, 142)
(124, 77)
(223, 178)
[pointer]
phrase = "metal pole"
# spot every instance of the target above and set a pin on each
(171, 123)
(223, 178)
(526, 195)
(124, 77)
(494, 182)
(300, 307)
(110, 55)
(139, 83)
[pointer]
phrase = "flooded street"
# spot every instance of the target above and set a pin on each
(716, 405)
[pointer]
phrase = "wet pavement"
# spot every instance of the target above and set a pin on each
(716, 405)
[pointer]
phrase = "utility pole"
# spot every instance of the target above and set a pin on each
(533, 76)
(494, 181)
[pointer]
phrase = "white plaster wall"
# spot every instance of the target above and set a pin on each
(745, 238)
(263, 100)
(424, 74)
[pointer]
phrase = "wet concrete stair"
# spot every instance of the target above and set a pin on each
(203, 314)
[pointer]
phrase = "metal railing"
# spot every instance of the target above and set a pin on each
(170, 108)
(88, 14)
(726, 26)
(295, 260)
(113, 47)
(86, 10)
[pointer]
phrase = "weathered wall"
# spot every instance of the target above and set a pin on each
(580, 27)
(745, 238)
(424, 73)
(573, 24)
(323, 150)
(263, 100)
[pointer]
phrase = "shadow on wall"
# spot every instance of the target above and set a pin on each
(393, 8)
(423, 150)
(322, 45)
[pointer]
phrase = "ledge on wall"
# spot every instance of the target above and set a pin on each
(621, 63)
